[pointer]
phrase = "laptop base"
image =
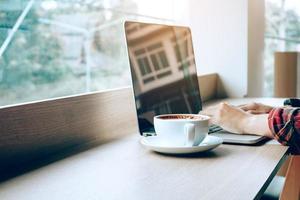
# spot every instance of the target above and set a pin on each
(232, 138)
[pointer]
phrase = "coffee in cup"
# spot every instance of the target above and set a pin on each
(181, 116)
(182, 129)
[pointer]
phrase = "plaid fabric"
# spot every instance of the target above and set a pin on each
(284, 123)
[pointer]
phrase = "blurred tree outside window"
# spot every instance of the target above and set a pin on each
(55, 48)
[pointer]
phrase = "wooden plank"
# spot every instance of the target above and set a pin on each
(123, 169)
(285, 74)
(37, 129)
(33, 130)
(291, 188)
(208, 86)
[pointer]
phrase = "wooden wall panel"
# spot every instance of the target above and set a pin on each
(285, 74)
(34, 130)
(208, 86)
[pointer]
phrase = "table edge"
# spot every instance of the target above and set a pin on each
(272, 175)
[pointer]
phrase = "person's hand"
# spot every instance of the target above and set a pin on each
(236, 120)
(229, 117)
(256, 108)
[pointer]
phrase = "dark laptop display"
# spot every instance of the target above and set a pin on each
(163, 71)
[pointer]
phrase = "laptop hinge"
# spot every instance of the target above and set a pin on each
(146, 134)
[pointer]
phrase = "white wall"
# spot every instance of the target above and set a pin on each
(220, 41)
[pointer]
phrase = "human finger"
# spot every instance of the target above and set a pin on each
(256, 112)
(209, 110)
(249, 106)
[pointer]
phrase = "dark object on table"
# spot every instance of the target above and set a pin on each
(292, 102)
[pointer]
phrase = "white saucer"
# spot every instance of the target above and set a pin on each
(155, 143)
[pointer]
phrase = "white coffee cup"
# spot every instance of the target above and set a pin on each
(182, 129)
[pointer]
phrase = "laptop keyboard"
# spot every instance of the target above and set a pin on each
(214, 128)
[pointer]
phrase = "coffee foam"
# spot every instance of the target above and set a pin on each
(181, 117)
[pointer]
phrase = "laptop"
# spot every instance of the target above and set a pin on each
(164, 76)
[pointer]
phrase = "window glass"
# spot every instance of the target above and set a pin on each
(55, 48)
(163, 59)
(155, 62)
(147, 65)
(282, 33)
(141, 66)
(183, 50)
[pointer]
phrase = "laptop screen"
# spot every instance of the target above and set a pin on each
(163, 71)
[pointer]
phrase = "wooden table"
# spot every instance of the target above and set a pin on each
(123, 169)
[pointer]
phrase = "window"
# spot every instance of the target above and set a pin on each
(282, 33)
(144, 65)
(158, 56)
(159, 65)
(183, 51)
(163, 59)
(54, 48)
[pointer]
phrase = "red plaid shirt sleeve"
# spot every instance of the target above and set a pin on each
(284, 123)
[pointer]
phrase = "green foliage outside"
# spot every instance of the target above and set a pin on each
(33, 66)
(32, 58)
